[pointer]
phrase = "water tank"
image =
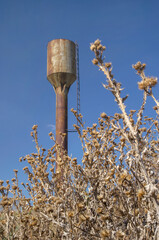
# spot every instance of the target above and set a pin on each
(61, 62)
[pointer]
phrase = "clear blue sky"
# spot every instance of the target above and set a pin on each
(130, 31)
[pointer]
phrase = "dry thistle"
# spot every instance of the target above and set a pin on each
(35, 127)
(114, 195)
(95, 61)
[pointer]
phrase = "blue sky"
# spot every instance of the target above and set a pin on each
(130, 31)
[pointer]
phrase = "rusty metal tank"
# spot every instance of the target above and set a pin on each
(61, 73)
(61, 62)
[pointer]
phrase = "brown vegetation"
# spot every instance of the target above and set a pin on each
(113, 195)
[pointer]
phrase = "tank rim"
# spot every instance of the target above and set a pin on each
(62, 39)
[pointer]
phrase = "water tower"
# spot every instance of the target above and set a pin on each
(61, 73)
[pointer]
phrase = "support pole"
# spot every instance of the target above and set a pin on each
(61, 116)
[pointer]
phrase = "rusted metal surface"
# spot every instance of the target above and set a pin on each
(61, 116)
(61, 72)
(61, 62)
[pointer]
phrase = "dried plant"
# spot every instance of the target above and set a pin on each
(114, 194)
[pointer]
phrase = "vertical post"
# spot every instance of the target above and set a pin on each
(61, 116)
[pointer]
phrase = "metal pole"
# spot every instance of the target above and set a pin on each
(61, 116)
